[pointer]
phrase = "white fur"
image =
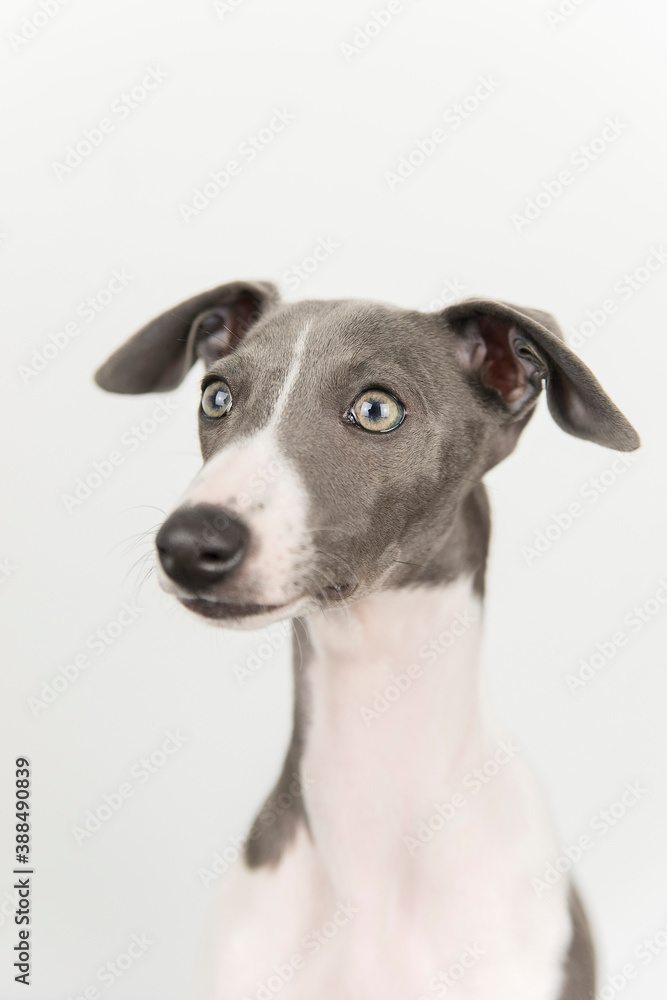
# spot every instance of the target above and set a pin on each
(373, 781)
(253, 478)
(371, 784)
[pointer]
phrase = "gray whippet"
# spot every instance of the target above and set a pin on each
(344, 444)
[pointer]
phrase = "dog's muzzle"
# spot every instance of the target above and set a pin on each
(201, 546)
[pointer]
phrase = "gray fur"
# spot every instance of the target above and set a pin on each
(394, 504)
(159, 356)
(579, 982)
(406, 508)
(277, 821)
(576, 400)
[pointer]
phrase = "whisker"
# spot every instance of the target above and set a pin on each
(138, 562)
(141, 536)
(142, 583)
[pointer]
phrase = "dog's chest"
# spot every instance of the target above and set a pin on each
(455, 930)
(413, 880)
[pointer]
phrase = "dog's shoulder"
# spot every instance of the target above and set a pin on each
(579, 982)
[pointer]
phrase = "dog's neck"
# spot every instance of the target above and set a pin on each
(394, 720)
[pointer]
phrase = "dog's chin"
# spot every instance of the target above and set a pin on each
(224, 610)
(251, 616)
(248, 616)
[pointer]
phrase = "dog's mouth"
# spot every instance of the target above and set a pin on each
(231, 610)
(227, 609)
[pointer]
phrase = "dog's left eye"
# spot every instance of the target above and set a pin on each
(378, 411)
(216, 399)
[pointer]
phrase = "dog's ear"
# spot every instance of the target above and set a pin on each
(205, 327)
(509, 351)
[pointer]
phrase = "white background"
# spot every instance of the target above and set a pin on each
(324, 176)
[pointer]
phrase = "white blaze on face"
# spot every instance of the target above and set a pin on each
(253, 479)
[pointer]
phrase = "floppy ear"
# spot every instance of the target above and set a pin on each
(207, 326)
(509, 351)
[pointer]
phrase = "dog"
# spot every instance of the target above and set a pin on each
(396, 857)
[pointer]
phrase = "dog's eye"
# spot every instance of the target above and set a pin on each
(377, 410)
(216, 399)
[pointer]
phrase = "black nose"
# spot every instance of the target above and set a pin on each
(200, 546)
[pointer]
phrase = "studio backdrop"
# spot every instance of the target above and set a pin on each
(405, 151)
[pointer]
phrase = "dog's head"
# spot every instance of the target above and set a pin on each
(344, 441)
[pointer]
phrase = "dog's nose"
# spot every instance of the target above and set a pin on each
(199, 546)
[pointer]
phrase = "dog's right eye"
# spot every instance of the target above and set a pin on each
(216, 400)
(377, 411)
